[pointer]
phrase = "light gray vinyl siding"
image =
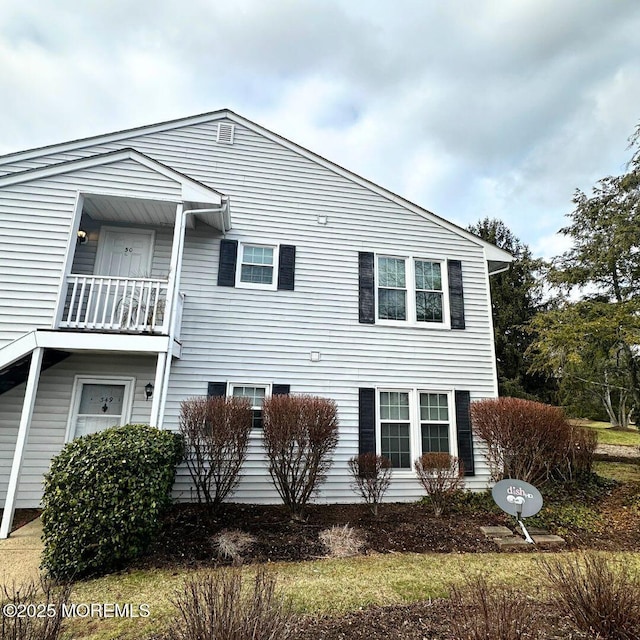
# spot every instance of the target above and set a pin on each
(35, 222)
(51, 414)
(254, 336)
(242, 335)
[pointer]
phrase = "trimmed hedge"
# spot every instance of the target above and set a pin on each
(103, 498)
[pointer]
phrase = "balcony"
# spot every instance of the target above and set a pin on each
(118, 304)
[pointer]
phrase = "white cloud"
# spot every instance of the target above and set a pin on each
(470, 108)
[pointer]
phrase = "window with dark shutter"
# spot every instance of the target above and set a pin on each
(366, 420)
(227, 263)
(456, 294)
(217, 389)
(366, 288)
(280, 389)
(465, 435)
(286, 267)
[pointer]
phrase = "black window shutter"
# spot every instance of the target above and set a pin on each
(280, 389)
(217, 389)
(286, 267)
(366, 288)
(366, 421)
(456, 294)
(227, 263)
(465, 436)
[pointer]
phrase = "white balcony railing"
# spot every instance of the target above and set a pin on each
(105, 303)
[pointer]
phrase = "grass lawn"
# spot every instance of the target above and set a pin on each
(317, 587)
(607, 435)
(619, 471)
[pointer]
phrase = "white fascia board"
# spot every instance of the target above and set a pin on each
(494, 254)
(17, 349)
(84, 341)
(196, 193)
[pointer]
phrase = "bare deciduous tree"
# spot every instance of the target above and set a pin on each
(371, 478)
(300, 434)
(440, 474)
(216, 434)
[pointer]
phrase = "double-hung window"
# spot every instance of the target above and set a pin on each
(410, 290)
(257, 265)
(413, 422)
(256, 395)
(429, 296)
(434, 422)
(395, 428)
(392, 288)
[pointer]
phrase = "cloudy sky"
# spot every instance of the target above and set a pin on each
(470, 108)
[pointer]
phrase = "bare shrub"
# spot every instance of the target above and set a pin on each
(341, 542)
(481, 611)
(231, 545)
(300, 434)
(602, 596)
(441, 475)
(371, 478)
(217, 606)
(47, 597)
(532, 441)
(216, 434)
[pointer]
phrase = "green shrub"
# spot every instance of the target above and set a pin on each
(103, 497)
(465, 502)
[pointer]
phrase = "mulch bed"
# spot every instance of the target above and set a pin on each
(189, 532)
(188, 539)
(418, 621)
(22, 517)
(188, 536)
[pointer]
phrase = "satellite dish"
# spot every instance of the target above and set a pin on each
(517, 498)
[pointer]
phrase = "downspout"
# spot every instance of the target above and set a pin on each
(222, 210)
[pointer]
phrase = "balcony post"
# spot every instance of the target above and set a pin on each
(72, 244)
(154, 421)
(21, 441)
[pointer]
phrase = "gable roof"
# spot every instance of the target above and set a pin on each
(192, 190)
(497, 258)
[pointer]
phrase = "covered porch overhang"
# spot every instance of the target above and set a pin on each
(25, 359)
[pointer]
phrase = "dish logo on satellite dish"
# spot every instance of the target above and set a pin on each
(514, 492)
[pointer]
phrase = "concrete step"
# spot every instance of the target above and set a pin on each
(496, 532)
(548, 540)
(512, 542)
(506, 539)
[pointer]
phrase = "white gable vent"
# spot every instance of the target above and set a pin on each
(225, 132)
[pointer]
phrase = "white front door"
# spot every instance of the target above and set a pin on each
(99, 404)
(124, 252)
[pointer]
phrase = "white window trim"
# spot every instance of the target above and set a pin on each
(415, 431)
(410, 276)
(256, 285)
(265, 385)
(80, 380)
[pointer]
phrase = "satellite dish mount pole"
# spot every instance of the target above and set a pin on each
(527, 537)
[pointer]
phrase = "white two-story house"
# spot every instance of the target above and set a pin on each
(208, 255)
